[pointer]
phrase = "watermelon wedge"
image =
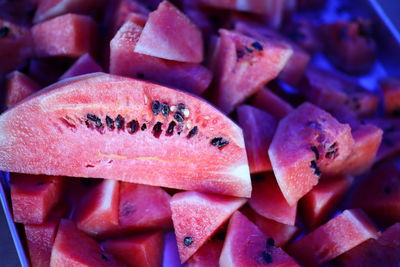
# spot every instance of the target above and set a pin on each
(266, 100)
(19, 86)
(197, 216)
(83, 65)
(101, 125)
(207, 255)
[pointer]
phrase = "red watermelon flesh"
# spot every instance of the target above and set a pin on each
(68, 122)
(258, 130)
(384, 251)
(169, 34)
(323, 199)
(124, 61)
(19, 86)
(309, 142)
(99, 210)
(271, 103)
(197, 216)
(33, 197)
(40, 238)
(207, 255)
(340, 234)
(73, 248)
(144, 250)
(243, 65)
(83, 65)
(245, 245)
(268, 201)
(70, 35)
(391, 94)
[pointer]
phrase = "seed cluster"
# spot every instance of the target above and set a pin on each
(240, 53)
(315, 167)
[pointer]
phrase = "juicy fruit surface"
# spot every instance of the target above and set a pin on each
(83, 65)
(72, 115)
(207, 255)
(19, 86)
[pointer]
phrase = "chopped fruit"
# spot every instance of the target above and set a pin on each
(271, 103)
(19, 86)
(83, 65)
(208, 255)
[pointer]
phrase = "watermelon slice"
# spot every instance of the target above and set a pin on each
(391, 93)
(197, 216)
(99, 210)
(384, 251)
(243, 65)
(119, 122)
(68, 35)
(191, 77)
(207, 255)
(309, 142)
(258, 130)
(268, 201)
(340, 234)
(83, 65)
(143, 250)
(245, 245)
(19, 86)
(271, 103)
(73, 248)
(33, 197)
(169, 34)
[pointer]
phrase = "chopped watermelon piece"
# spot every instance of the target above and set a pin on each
(73, 248)
(69, 35)
(243, 65)
(191, 77)
(391, 94)
(207, 255)
(268, 201)
(323, 199)
(309, 142)
(33, 197)
(169, 34)
(83, 65)
(258, 130)
(245, 245)
(19, 86)
(330, 240)
(271, 103)
(99, 210)
(384, 251)
(197, 216)
(144, 250)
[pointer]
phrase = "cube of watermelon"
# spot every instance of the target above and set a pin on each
(208, 255)
(83, 65)
(19, 86)
(391, 96)
(268, 101)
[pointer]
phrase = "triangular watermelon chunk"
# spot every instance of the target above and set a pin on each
(266, 100)
(169, 34)
(245, 245)
(83, 65)
(197, 216)
(208, 255)
(19, 86)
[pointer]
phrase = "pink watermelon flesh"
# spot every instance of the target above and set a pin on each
(69, 35)
(268, 201)
(144, 250)
(197, 216)
(245, 245)
(194, 78)
(99, 210)
(322, 200)
(271, 103)
(243, 65)
(169, 34)
(309, 142)
(391, 96)
(83, 65)
(73, 248)
(207, 255)
(33, 197)
(19, 86)
(71, 115)
(340, 234)
(384, 251)
(258, 130)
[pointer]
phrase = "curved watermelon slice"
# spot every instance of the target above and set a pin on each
(83, 65)
(105, 126)
(19, 86)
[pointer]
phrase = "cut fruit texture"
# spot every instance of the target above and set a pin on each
(83, 65)
(340, 234)
(208, 255)
(245, 245)
(258, 130)
(391, 94)
(169, 34)
(72, 115)
(268, 101)
(242, 65)
(194, 78)
(19, 86)
(197, 216)
(309, 142)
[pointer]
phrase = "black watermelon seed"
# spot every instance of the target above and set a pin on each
(187, 241)
(157, 129)
(248, 50)
(4, 31)
(156, 107)
(133, 125)
(223, 143)
(119, 121)
(215, 141)
(144, 127)
(257, 46)
(109, 122)
(331, 154)
(178, 117)
(171, 127)
(266, 257)
(96, 119)
(193, 132)
(181, 107)
(314, 166)
(165, 109)
(316, 152)
(270, 242)
(239, 54)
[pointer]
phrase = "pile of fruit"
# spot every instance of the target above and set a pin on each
(131, 155)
